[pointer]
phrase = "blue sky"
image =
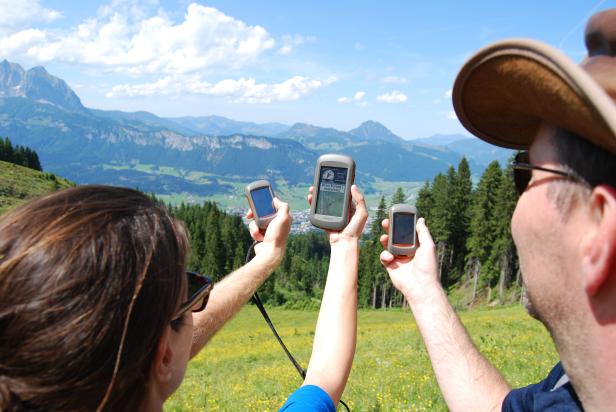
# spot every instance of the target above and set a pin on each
(332, 64)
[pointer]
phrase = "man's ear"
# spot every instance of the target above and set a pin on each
(163, 361)
(599, 245)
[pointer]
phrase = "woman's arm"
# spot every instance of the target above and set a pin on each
(231, 293)
(335, 335)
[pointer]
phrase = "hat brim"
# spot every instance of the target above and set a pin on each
(504, 92)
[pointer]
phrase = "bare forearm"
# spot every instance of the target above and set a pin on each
(228, 296)
(335, 335)
(467, 379)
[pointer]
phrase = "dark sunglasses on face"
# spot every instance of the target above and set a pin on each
(198, 293)
(523, 172)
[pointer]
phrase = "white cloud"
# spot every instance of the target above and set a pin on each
(359, 46)
(452, 115)
(291, 42)
(243, 90)
(448, 93)
(21, 40)
(393, 97)
(18, 15)
(358, 98)
(129, 41)
(394, 80)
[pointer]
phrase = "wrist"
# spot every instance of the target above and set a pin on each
(424, 293)
(344, 243)
(266, 262)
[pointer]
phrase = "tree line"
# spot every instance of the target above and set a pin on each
(471, 229)
(20, 155)
(219, 241)
(470, 226)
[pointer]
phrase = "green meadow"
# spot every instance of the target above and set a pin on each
(244, 369)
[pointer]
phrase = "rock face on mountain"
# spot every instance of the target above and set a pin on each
(37, 84)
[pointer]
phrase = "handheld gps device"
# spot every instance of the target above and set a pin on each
(402, 233)
(261, 200)
(333, 176)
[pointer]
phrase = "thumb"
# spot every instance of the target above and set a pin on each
(281, 206)
(423, 233)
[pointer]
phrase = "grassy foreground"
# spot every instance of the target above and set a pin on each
(244, 369)
(19, 184)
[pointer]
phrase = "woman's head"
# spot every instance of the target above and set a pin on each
(86, 274)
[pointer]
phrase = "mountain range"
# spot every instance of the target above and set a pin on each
(203, 155)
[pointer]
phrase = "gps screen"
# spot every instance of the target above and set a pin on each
(332, 184)
(262, 199)
(404, 229)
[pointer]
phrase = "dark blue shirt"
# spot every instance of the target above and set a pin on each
(309, 398)
(554, 393)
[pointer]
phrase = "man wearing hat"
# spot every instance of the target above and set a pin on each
(526, 95)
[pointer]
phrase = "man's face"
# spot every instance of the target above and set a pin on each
(545, 239)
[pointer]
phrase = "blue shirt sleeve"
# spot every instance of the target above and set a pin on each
(543, 396)
(309, 398)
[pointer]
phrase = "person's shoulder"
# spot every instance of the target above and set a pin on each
(554, 393)
(309, 398)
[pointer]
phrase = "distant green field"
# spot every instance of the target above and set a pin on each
(244, 369)
(294, 195)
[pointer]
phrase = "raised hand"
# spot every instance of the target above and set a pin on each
(357, 221)
(274, 238)
(412, 276)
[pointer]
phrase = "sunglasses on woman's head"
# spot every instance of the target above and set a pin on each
(198, 293)
(523, 172)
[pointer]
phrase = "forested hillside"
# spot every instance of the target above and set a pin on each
(19, 155)
(470, 226)
(471, 229)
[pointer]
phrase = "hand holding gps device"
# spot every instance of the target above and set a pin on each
(261, 200)
(333, 176)
(402, 230)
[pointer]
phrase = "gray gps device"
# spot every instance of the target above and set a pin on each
(333, 176)
(402, 230)
(261, 200)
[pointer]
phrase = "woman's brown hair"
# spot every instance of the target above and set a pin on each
(89, 278)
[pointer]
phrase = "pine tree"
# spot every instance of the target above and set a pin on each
(460, 219)
(440, 223)
(483, 226)
(212, 259)
(20, 155)
(503, 255)
(376, 230)
(424, 201)
(398, 197)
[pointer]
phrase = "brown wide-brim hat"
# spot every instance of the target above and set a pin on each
(504, 92)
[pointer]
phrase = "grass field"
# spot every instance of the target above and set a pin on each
(19, 184)
(244, 369)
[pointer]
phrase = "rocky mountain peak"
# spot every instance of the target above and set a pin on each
(37, 84)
